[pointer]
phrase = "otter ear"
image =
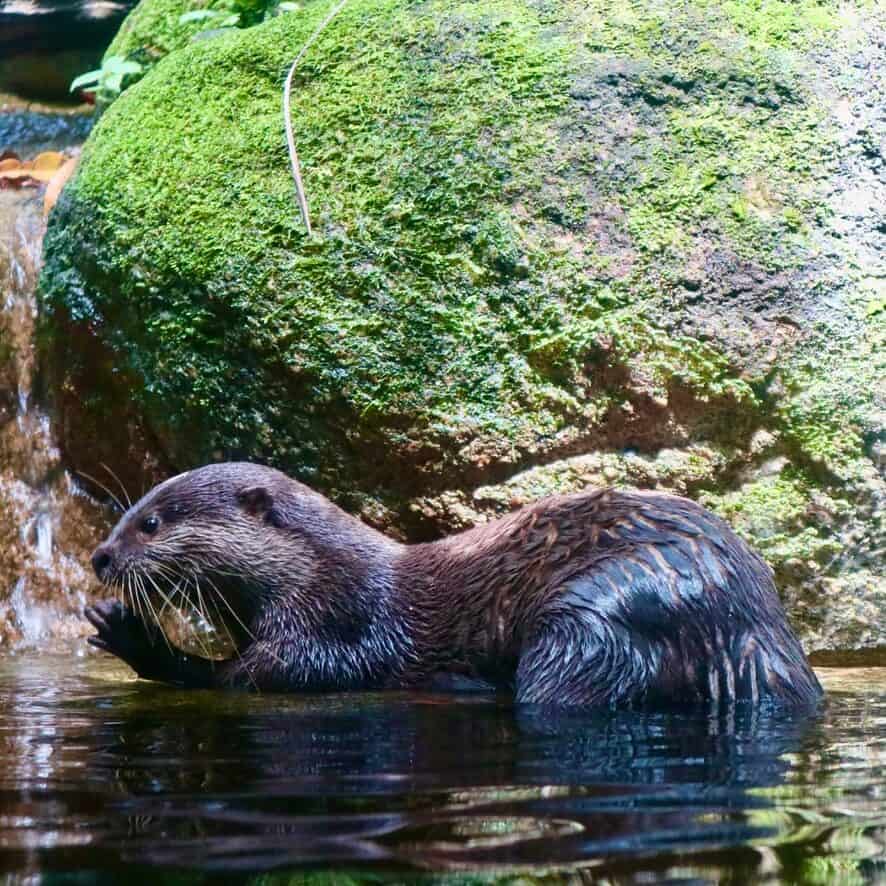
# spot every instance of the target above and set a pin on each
(255, 500)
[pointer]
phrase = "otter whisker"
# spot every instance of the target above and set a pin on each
(150, 605)
(240, 621)
(164, 570)
(205, 609)
(219, 619)
(181, 588)
(169, 600)
(167, 573)
(168, 603)
(224, 625)
(199, 608)
(230, 608)
(134, 596)
(119, 483)
(102, 487)
(137, 596)
(200, 604)
(179, 582)
(239, 655)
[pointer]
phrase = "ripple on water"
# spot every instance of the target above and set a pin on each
(105, 774)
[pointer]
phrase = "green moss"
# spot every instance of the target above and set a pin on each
(834, 387)
(781, 23)
(835, 870)
(382, 313)
(456, 157)
(777, 513)
(737, 170)
(153, 30)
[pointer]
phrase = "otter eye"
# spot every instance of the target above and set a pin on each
(150, 525)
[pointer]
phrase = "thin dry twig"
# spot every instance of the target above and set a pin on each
(287, 116)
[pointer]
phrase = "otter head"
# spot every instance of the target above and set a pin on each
(212, 530)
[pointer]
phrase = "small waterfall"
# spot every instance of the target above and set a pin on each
(47, 525)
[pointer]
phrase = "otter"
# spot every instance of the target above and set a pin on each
(605, 597)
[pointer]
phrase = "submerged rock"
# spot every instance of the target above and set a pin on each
(554, 244)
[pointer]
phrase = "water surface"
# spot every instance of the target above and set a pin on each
(106, 778)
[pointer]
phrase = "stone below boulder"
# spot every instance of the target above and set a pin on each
(555, 244)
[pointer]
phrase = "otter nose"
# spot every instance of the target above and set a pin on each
(101, 560)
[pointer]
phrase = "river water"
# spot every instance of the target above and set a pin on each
(107, 779)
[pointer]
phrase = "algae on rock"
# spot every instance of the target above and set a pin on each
(153, 30)
(545, 233)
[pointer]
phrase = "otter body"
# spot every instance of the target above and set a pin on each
(605, 597)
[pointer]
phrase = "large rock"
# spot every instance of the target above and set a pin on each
(556, 244)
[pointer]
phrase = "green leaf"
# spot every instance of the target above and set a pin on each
(112, 82)
(88, 79)
(197, 15)
(210, 34)
(116, 64)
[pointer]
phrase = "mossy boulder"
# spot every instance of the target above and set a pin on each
(554, 244)
(153, 30)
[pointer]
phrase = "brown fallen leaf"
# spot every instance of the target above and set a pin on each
(57, 183)
(15, 169)
(16, 173)
(45, 165)
(21, 181)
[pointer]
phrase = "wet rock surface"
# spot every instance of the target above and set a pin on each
(556, 246)
(48, 525)
(29, 130)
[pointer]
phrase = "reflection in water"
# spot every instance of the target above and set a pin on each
(103, 774)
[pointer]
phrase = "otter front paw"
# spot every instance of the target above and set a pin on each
(122, 633)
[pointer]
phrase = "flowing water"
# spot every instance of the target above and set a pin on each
(108, 779)
(47, 525)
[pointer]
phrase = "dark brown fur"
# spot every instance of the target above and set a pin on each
(603, 597)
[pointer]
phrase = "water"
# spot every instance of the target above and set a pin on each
(118, 780)
(29, 132)
(47, 525)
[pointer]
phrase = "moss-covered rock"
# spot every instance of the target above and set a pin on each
(153, 30)
(555, 243)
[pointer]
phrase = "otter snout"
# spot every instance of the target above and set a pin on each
(102, 560)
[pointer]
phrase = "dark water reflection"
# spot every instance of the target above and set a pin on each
(105, 778)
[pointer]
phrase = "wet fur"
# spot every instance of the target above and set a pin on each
(605, 597)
